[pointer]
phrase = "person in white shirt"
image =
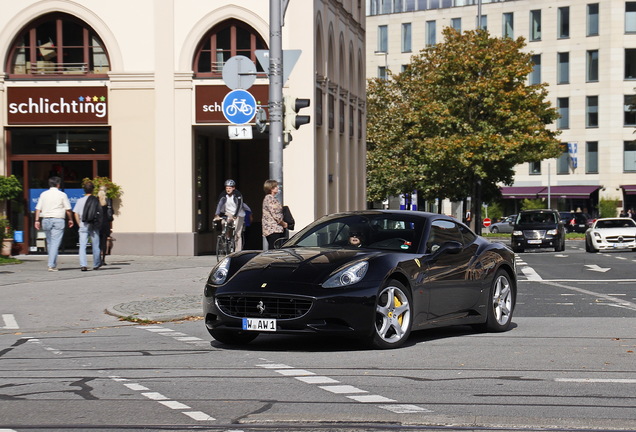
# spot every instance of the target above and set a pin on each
(53, 206)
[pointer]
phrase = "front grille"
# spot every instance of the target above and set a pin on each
(619, 239)
(263, 307)
(534, 234)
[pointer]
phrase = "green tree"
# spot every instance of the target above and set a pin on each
(461, 115)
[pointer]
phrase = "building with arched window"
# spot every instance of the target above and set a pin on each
(134, 91)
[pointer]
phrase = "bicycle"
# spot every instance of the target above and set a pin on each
(225, 239)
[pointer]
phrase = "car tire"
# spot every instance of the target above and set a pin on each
(393, 318)
(494, 230)
(560, 247)
(589, 247)
(233, 337)
(501, 303)
(517, 249)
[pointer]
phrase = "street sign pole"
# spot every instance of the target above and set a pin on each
(276, 94)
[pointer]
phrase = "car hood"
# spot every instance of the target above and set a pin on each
(616, 231)
(296, 265)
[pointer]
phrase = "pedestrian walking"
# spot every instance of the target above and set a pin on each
(273, 223)
(53, 207)
(107, 219)
(88, 217)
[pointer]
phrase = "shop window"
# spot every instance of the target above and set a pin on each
(224, 41)
(68, 141)
(57, 46)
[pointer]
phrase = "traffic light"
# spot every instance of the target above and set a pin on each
(292, 119)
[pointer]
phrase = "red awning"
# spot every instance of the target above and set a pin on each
(629, 189)
(521, 192)
(569, 191)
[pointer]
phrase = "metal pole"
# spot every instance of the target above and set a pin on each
(549, 186)
(479, 14)
(276, 94)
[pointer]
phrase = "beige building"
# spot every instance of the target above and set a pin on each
(584, 50)
(134, 91)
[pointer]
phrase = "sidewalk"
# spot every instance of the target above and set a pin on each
(154, 288)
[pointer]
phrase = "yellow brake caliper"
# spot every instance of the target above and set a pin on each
(397, 303)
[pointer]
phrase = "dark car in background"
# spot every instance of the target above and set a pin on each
(576, 221)
(538, 229)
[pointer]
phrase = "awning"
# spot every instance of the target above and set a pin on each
(569, 191)
(629, 189)
(521, 192)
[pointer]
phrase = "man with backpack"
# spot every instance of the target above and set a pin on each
(88, 215)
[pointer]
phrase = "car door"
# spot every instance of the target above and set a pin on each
(449, 280)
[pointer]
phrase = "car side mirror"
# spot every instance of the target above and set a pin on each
(450, 247)
(279, 243)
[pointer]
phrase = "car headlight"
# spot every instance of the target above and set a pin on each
(597, 236)
(552, 232)
(347, 276)
(219, 273)
(517, 233)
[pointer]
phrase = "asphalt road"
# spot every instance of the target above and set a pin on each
(568, 363)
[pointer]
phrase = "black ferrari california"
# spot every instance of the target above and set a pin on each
(375, 275)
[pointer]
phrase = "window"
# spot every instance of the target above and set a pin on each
(629, 108)
(592, 66)
(630, 17)
(563, 161)
(484, 22)
(382, 72)
(508, 25)
(57, 45)
(630, 63)
(383, 38)
(456, 23)
(224, 41)
(629, 156)
(563, 68)
(591, 111)
(563, 22)
(431, 30)
(563, 109)
(591, 157)
(319, 110)
(406, 37)
(535, 168)
(535, 75)
(592, 19)
(535, 25)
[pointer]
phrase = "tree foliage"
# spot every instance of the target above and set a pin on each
(460, 112)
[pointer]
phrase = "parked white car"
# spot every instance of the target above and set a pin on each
(611, 234)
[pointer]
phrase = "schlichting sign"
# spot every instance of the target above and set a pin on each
(57, 105)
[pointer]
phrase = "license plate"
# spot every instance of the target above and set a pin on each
(534, 241)
(621, 246)
(259, 324)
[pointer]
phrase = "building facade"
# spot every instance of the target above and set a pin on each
(134, 91)
(584, 50)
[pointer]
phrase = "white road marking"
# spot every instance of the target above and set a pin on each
(136, 387)
(597, 380)
(349, 391)
(154, 396)
(531, 274)
(9, 322)
(343, 389)
(615, 301)
(198, 415)
(174, 405)
(597, 268)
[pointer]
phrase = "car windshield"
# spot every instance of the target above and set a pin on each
(537, 218)
(381, 231)
(616, 223)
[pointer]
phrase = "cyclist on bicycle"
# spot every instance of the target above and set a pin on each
(231, 204)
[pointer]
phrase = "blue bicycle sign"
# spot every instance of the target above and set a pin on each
(239, 107)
